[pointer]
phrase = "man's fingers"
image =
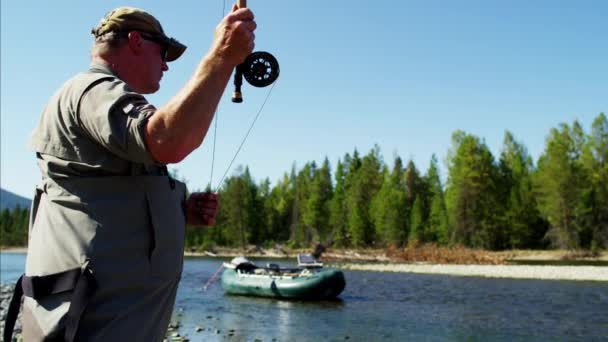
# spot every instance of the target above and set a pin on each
(240, 14)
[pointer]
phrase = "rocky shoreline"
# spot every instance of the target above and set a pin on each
(6, 293)
(580, 273)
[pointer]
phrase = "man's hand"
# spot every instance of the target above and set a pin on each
(201, 208)
(234, 36)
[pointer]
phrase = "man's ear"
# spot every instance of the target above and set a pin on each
(135, 42)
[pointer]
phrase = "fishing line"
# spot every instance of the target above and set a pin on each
(245, 138)
(260, 69)
(215, 118)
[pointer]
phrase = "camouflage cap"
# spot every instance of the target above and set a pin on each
(127, 19)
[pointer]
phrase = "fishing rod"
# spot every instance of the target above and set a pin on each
(260, 69)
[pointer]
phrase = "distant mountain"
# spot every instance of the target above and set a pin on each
(11, 200)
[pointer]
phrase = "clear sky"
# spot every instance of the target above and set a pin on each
(401, 74)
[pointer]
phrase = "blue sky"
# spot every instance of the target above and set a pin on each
(401, 74)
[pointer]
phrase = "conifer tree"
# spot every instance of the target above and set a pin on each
(595, 191)
(417, 232)
(558, 184)
(317, 213)
(366, 182)
(522, 221)
(438, 219)
(413, 188)
(338, 215)
(303, 233)
(471, 196)
(387, 207)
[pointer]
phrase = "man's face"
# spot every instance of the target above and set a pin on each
(153, 64)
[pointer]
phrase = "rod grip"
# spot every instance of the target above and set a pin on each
(241, 3)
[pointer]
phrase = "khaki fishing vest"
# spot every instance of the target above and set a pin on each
(125, 233)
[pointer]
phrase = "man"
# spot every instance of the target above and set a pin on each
(107, 228)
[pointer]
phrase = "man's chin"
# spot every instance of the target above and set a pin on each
(151, 89)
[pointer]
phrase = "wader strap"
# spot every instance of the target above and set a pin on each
(38, 287)
(85, 287)
(13, 311)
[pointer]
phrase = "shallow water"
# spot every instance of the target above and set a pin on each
(389, 307)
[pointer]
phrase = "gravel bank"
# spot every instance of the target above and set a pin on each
(6, 293)
(586, 273)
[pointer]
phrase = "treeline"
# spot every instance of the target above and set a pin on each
(509, 202)
(13, 226)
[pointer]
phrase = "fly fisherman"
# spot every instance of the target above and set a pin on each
(107, 228)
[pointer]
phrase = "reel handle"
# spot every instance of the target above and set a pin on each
(237, 96)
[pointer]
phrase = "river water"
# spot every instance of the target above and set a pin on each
(387, 307)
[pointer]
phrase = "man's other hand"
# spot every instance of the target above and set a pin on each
(201, 208)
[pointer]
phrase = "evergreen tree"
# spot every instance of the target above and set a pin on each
(284, 193)
(269, 217)
(303, 234)
(558, 184)
(365, 183)
(317, 207)
(471, 196)
(387, 207)
(595, 191)
(524, 226)
(413, 188)
(438, 218)
(417, 232)
(240, 213)
(338, 215)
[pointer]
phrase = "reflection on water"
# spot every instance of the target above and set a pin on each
(394, 307)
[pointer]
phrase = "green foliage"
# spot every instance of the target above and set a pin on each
(364, 184)
(316, 215)
(559, 182)
(438, 216)
(337, 207)
(14, 226)
(485, 203)
(593, 208)
(524, 225)
(387, 207)
(417, 231)
(472, 196)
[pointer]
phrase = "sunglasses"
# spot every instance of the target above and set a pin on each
(164, 47)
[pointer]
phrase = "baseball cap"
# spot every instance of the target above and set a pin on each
(127, 19)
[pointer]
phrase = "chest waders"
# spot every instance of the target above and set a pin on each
(105, 257)
(122, 266)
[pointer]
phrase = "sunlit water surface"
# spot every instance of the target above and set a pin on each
(388, 307)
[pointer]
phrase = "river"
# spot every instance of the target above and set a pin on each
(379, 306)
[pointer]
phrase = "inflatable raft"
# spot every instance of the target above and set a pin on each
(309, 281)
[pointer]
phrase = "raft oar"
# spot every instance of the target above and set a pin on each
(213, 277)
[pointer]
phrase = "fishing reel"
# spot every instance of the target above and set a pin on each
(260, 69)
